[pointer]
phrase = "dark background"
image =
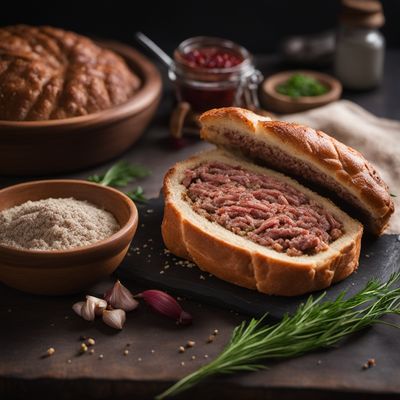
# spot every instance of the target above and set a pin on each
(258, 25)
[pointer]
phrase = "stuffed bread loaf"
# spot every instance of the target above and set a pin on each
(256, 227)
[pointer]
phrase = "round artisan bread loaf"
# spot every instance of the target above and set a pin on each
(305, 153)
(241, 261)
(48, 73)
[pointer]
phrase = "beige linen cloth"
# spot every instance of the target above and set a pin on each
(376, 138)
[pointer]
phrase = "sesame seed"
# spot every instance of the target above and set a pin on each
(50, 351)
(139, 359)
(162, 272)
(193, 357)
(205, 355)
(371, 362)
(190, 343)
(181, 349)
(101, 356)
(83, 348)
(216, 331)
(126, 352)
(210, 339)
(69, 361)
(153, 351)
(183, 363)
(91, 342)
(91, 351)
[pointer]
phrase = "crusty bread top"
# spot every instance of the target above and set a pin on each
(48, 73)
(324, 154)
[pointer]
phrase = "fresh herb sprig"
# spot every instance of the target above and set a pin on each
(121, 175)
(137, 194)
(316, 324)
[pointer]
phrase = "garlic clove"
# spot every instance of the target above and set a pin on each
(77, 307)
(99, 304)
(114, 318)
(88, 310)
(120, 297)
(165, 304)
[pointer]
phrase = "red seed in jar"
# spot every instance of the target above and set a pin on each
(212, 57)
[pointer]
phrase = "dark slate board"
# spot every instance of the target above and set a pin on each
(380, 257)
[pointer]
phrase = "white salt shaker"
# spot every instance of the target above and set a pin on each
(360, 47)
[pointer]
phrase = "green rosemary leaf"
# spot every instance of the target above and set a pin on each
(120, 174)
(137, 195)
(314, 325)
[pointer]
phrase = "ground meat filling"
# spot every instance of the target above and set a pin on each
(261, 208)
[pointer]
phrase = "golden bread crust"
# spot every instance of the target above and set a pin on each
(350, 170)
(246, 267)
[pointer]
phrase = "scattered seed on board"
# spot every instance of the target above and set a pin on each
(216, 331)
(183, 363)
(193, 357)
(50, 351)
(69, 361)
(205, 355)
(91, 342)
(210, 339)
(190, 343)
(139, 359)
(83, 348)
(91, 351)
(126, 352)
(101, 356)
(371, 362)
(153, 351)
(181, 349)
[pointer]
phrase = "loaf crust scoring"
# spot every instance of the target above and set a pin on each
(357, 180)
(48, 73)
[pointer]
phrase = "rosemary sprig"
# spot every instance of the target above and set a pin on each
(121, 175)
(314, 325)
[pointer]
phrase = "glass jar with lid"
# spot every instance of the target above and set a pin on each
(211, 72)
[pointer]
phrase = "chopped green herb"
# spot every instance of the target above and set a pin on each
(393, 195)
(299, 85)
(314, 325)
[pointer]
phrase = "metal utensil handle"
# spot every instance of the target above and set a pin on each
(158, 51)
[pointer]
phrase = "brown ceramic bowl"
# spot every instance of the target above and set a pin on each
(274, 101)
(56, 272)
(54, 146)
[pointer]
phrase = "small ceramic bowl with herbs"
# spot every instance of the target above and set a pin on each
(62, 236)
(295, 91)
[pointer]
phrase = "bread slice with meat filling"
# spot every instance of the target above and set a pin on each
(303, 152)
(235, 258)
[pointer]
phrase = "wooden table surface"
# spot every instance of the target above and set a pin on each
(31, 324)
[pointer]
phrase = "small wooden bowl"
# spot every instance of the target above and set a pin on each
(56, 272)
(29, 148)
(274, 101)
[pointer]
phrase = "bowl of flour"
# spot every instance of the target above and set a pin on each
(61, 236)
